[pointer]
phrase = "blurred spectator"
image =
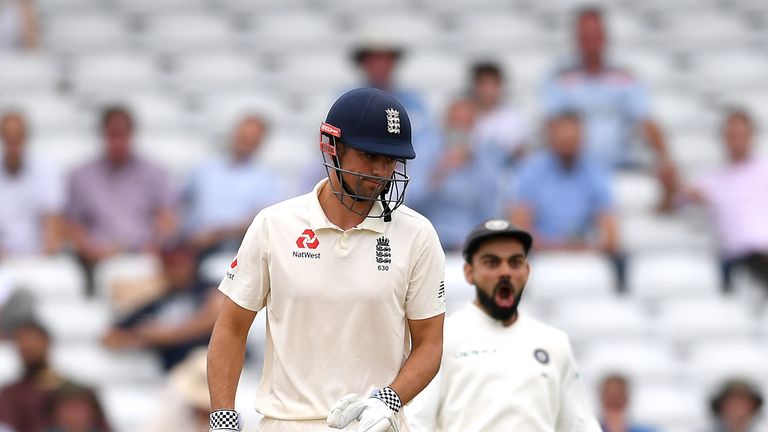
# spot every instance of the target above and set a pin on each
(378, 60)
(735, 197)
(76, 409)
(500, 127)
(461, 186)
(31, 194)
(614, 401)
(564, 196)
(736, 407)
(18, 25)
(24, 404)
(613, 103)
(180, 320)
(224, 195)
(119, 203)
(16, 307)
(186, 404)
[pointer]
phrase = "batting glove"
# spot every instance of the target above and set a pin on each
(224, 420)
(374, 414)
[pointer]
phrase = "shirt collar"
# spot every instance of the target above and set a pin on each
(318, 219)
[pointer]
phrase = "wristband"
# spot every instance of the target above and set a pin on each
(224, 419)
(390, 398)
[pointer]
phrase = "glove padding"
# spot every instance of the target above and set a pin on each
(372, 414)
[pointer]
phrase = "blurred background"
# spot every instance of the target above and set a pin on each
(140, 137)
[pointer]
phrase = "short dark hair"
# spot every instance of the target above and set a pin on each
(112, 111)
(565, 115)
(739, 113)
(33, 325)
(589, 11)
(482, 69)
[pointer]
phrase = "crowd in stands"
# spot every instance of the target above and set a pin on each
(480, 157)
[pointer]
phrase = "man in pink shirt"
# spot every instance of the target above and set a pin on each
(736, 197)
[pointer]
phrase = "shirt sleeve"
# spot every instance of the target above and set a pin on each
(247, 280)
(554, 96)
(423, 411)
(575, 414)
(524, 191)
(603, 195)
(425, 297)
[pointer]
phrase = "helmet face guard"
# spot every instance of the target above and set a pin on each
(389, 194)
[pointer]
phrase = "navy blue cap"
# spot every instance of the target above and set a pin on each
(372, 121)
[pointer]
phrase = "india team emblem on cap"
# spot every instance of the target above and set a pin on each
(497, 225)
(393, 121)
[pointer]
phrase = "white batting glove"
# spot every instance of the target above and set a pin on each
(374, 414)
(224, 420)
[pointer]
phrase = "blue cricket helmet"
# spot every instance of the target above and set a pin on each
(372, 121)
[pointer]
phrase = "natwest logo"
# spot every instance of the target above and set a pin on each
(307, 240)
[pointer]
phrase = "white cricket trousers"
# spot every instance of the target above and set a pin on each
(267, 424)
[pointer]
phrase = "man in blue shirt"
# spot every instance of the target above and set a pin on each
(224, 195)
(460, 186)
(612, 102)
(614, 401)
(563, 196)
(378, 59)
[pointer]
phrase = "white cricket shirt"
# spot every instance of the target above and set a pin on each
(336, 301)
(500, 379)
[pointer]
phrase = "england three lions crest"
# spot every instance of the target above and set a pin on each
(393, 121)
(383, 253)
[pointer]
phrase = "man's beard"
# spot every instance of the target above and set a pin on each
(33, 368)
(497, 312)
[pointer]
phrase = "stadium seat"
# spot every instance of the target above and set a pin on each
(179, 152)
(194, 32)
(710, 363)
(10, 366)
(153, 7)
(599, 320)
(115, 74)
(76, 321)
(669, 405)
(413, 31)
(303, 73)
(703, 319)
(50, 279)
(219, 72)
(684, 31)
(648, 232)
(635, 192)
(497, 33)
(745, 71)
(49, 115)
(434, 71)
(657, 70)
(557, 276)
(219, 112)
(696, 153)
(94, 365)
(295, 32)
(668, 274)
(77, 34)
(157, 112)
(681, 112)
(240, 8)
(25, 74)
(642, 362)
(129, 406)
(65, 151)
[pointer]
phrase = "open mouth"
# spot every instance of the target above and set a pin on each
(504, 296)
